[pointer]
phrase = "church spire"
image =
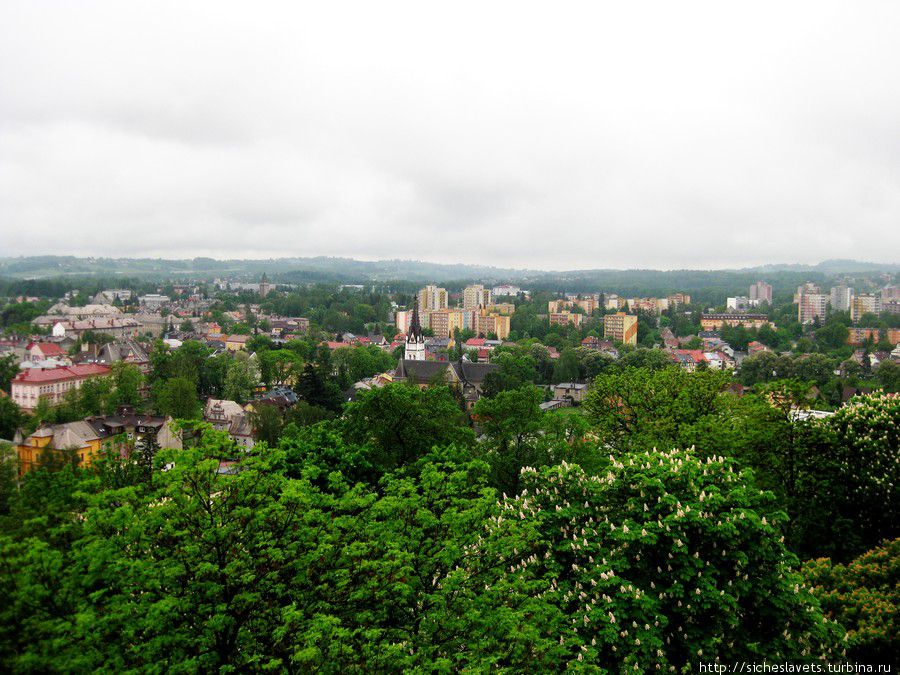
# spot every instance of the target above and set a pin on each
(415, 339)
(415, 328)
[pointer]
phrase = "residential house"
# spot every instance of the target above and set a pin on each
(573, 391)
(86, 438)
(235, 343)
(41, 351)
(230, 416)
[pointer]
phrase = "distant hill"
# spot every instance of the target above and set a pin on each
(348, 270)
(837, 266)
(286, 269)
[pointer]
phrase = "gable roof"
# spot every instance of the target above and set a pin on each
(34, 375)
(47, 348)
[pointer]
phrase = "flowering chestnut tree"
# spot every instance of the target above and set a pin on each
(867, 432)
(664, 560)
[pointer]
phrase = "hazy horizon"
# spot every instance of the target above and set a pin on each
(515, 268)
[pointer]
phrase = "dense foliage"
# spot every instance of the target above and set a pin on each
(659, 524)
(864, 597)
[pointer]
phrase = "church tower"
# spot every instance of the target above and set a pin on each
(415, 341)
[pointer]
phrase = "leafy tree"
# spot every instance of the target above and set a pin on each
(362, 362)
(177, 397)
(516, 433)
(303, 414)
(888, 373)
(400, 423)
(375, 573)
(267, 424)
(815, 368)
(278, 367)
(665, 559)
(648, 359)
(833, 335)
(516, 369)
(318, 391)
(9, 368)
(93, 397)
(242, 379)
(191, 579)
(864, 597)
(11, 418)
(127, 382)
(765, 367)
(213, 372)
(8, 479)
(592, 363)
(867, 438)
(567, 367)
(512, 423)
(642, 409)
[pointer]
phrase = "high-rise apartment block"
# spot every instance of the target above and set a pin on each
(587, 305)
(890, 294)
(760, 292)
(492, 324)
(841, 296)
(864, 304)
(679, 299)
(445, 322)
(565, 317)
(477, 296)
(811, 306)
(809, 288)
(432, 298)
(620, 327)
(403, 317)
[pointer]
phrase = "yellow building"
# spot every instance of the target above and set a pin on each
(587, 305)
(432, 298)
(565, 317)
(620, 327)
(85, 438)
(445, 322)
(236, 343)
(78, 437)
(864, 304)
(475, 297)
(496, 324)
(682, 299)
(507, 308)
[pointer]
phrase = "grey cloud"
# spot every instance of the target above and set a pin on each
(514, 134)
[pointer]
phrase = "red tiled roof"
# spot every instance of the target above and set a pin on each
(475, 342)
(61, 373)
(695, 354)
(47, 348)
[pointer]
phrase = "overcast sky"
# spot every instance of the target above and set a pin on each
(545, 135)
